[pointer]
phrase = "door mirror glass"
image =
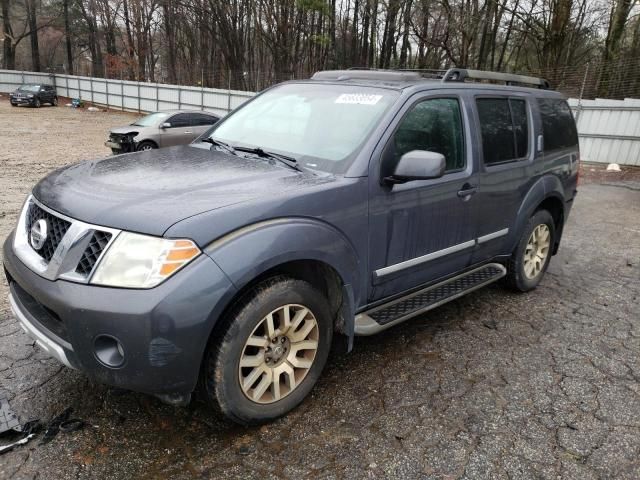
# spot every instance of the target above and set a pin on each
(165, 125)
(418, 165)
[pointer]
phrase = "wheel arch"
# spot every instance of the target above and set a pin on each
(546, 194)
(302, 248)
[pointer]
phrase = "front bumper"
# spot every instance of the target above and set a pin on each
(22, 100)
(163, 331)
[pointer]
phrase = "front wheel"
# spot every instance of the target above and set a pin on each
(531, 257)
(146, 145)
(37, 103)
(270, 351)
(55, 101)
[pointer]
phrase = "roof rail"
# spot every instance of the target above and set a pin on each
(367, 74)
(461, 74)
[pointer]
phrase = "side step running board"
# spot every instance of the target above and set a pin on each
(401, 309)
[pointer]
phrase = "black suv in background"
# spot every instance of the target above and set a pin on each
(34, 95)
(344, 204)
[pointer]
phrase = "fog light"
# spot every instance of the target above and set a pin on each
(109, 351)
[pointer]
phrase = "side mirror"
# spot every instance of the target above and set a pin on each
(165, 125)
(418, 165)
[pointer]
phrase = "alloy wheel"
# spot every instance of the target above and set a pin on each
(536, 251)
(278, 354)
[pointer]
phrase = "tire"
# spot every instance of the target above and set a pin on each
(55, 102)
(146, 145)
(14, 104)
(37, 103)
(530, 259)
(245, 396)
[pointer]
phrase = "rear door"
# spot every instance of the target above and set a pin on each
(422, 230)
(202, 122)
(507, 169)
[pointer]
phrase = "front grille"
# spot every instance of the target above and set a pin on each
(96, 246)
(56, 229)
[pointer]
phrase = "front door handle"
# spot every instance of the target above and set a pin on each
(467, 190)
(188, 133)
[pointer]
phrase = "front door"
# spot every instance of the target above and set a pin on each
(181, 131)
(423, 230)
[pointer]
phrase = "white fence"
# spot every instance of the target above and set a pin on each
(609, 130)
(133, 96)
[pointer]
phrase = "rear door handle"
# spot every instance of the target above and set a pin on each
(467, 190)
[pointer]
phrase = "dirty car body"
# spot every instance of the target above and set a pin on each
(160, 129)
(409, 199)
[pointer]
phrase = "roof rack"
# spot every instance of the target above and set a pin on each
(461, 74)
(436, 73)
(366, 74)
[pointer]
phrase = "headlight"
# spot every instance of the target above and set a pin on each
(141, 261)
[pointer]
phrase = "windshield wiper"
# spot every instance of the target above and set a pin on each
(218, 143)
(288, 161)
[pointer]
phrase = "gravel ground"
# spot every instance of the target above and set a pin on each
(494, 385)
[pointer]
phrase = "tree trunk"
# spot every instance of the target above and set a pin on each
(612, 45)
(32, 20)
(67, 38)
(8, 47)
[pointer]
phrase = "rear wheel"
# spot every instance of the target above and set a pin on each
(55, 101)
(270, 351)
(531, 257)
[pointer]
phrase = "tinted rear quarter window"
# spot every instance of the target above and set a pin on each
(558, 126)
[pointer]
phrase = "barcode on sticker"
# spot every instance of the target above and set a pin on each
(358, 98)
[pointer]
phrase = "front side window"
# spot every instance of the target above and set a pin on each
(434, 125)
(504, 127)
(151, 119)
(322, 126)
(558, 126)
(181, 120)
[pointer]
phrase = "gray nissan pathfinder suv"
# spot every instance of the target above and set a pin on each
(344, 204)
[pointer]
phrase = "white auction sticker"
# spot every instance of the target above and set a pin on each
(358, 98)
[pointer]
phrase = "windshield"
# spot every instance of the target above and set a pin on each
(151, 120)
(319, 125)
(30, 88)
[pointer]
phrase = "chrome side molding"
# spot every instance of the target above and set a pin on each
(381, 272)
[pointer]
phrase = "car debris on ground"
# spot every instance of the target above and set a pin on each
(10, 426)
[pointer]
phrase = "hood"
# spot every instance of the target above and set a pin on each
(128, 129)
(149, 191)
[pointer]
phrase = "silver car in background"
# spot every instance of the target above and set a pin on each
(160, 129)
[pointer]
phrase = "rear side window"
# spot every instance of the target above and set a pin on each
(558, 126)
(434, 125)
(504, 127)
